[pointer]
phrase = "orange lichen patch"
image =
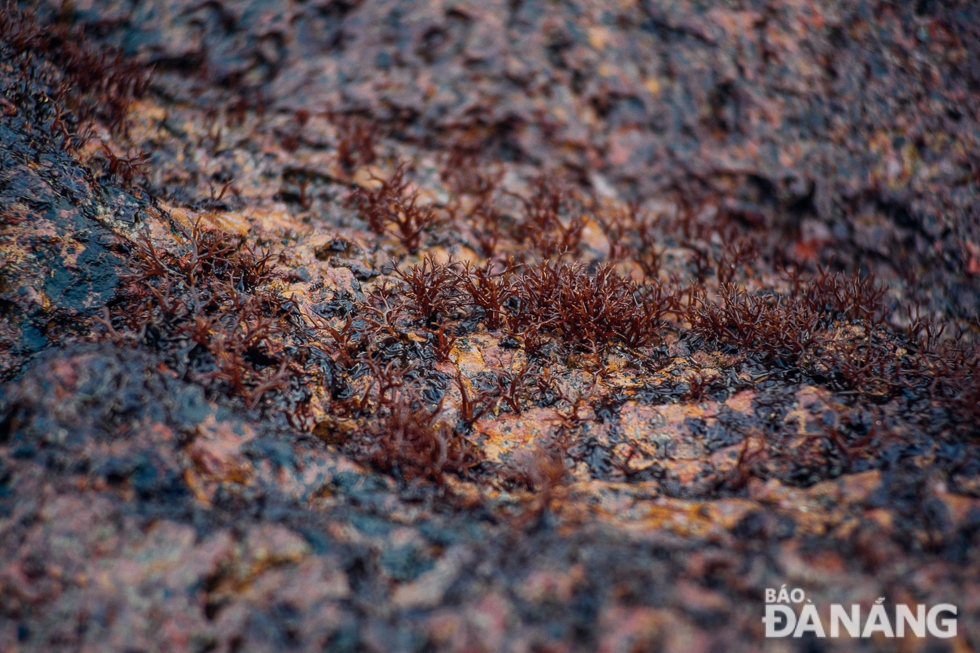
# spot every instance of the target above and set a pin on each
(700, 376)
(313, 580)
(690, 472)
(339, 279)
(329, 278)
(594, 241)
(615, 365)
(70, 252)
(725, 460)
(729, 512)
(851, 489)
(469, 494)
(370, 176)
(30, 228)
(823, 506)
(706, 359)
(144, 119)
(741, 402)
(268, 221)
(234, 223)
(317, 245)
(272, 544)
(160, 231)
(882, 517)
(620, 373)
(669, 516)
(250, 567)
(469, 351)
(500, 438)
(185, 216)
(201, 491)
(617, 504)
(805, 416)
(273, 221)
(638, 455)
(501, 358)
(332, 430)
(217, 451)
(690, 518)
(625, 501)
(961, 509)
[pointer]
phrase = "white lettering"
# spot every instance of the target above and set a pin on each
(838, 618)
(949, 625)
(809, 622)
(772, 621)
(878, 622)
(782, 620)
(904, 616)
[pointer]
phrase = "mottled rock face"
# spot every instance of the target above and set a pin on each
(858, 116)
(401, 326)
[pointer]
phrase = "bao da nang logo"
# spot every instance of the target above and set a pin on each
(791, 614)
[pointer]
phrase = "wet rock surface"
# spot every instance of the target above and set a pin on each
(403, 326)
(844, 127)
